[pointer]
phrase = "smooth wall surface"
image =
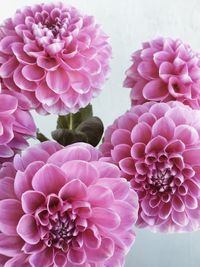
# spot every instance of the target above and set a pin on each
(129, 23)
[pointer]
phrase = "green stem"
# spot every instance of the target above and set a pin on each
(71, 121)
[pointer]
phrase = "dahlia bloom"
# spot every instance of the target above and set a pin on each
(54, 55)
(163, 70)
(63, 207)
(16, 124)
(157, 147)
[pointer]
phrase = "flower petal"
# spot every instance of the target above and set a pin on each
(49, 179)
(28, 230)
(10, 213)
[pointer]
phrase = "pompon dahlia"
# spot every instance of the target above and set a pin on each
(16, 124)
(63, 207)
(54, 55)
(157, 147)
(163, 70)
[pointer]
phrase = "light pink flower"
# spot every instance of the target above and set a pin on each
(164, 69)
(157, 147)
(54, 55)
(65, 208)
(16, 124)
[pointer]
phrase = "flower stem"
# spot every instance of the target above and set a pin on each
(71, 121)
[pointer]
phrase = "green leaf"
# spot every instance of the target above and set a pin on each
(72, 121)
(93, 128)
(41, 137)
(66, 137)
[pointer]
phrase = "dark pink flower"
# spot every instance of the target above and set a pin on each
(63, 207)
(157, 147)
(54, 55)
(16, 124)
(163, 70)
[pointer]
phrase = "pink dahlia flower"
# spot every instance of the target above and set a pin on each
(63, 207)
(163, 70)
(157, 147)
(16, 124)
(54, 55)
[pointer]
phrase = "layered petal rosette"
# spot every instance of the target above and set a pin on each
(56, 56)
(163, 70)
(157, 147)
(16, 124)
(63, 207)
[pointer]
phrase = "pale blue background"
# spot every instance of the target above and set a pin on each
(130, 22)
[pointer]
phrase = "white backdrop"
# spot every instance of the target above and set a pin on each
(128, 23)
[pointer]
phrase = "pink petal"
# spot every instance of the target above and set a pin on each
(6, 43)
(161, 56)
(23, 181)
(31, 200)
(165, 210)
(91, 239)
(9, 106)
(187, 134)
(7, 188)
(138, 151)
(58, 80)
(155, 90)
(191, 202)
(127, 165)
(164, 127)
(33, 73)
(23, 83)
(105, 195)
(121, 136)
(21, 56)
(60, 259)
(45, 95)
(47, 63)
(82, 170)
(28, 230)
(180, 218)
(105, 218)
(54, 203)
(10, 245)
(178, 204)
(191, 156)
(76, 257)
(10, 213)
(148, 70)
(42, 258)
(44, 180)
(19, 260)
(166, 70)
(159, 110)
(6, 152)
(105, 251)
(120, 187)
(70, 153)
(7, 68)
(107, 169)
(73, 190)
(54, 48)
(175, 146)
(120, 152)
(79, 82)
(141, 133)
(125, 211)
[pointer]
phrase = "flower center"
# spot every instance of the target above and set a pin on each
(161, 180)
(62, 230)
(54, 27)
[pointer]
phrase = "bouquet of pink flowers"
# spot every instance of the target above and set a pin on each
(64, 202)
